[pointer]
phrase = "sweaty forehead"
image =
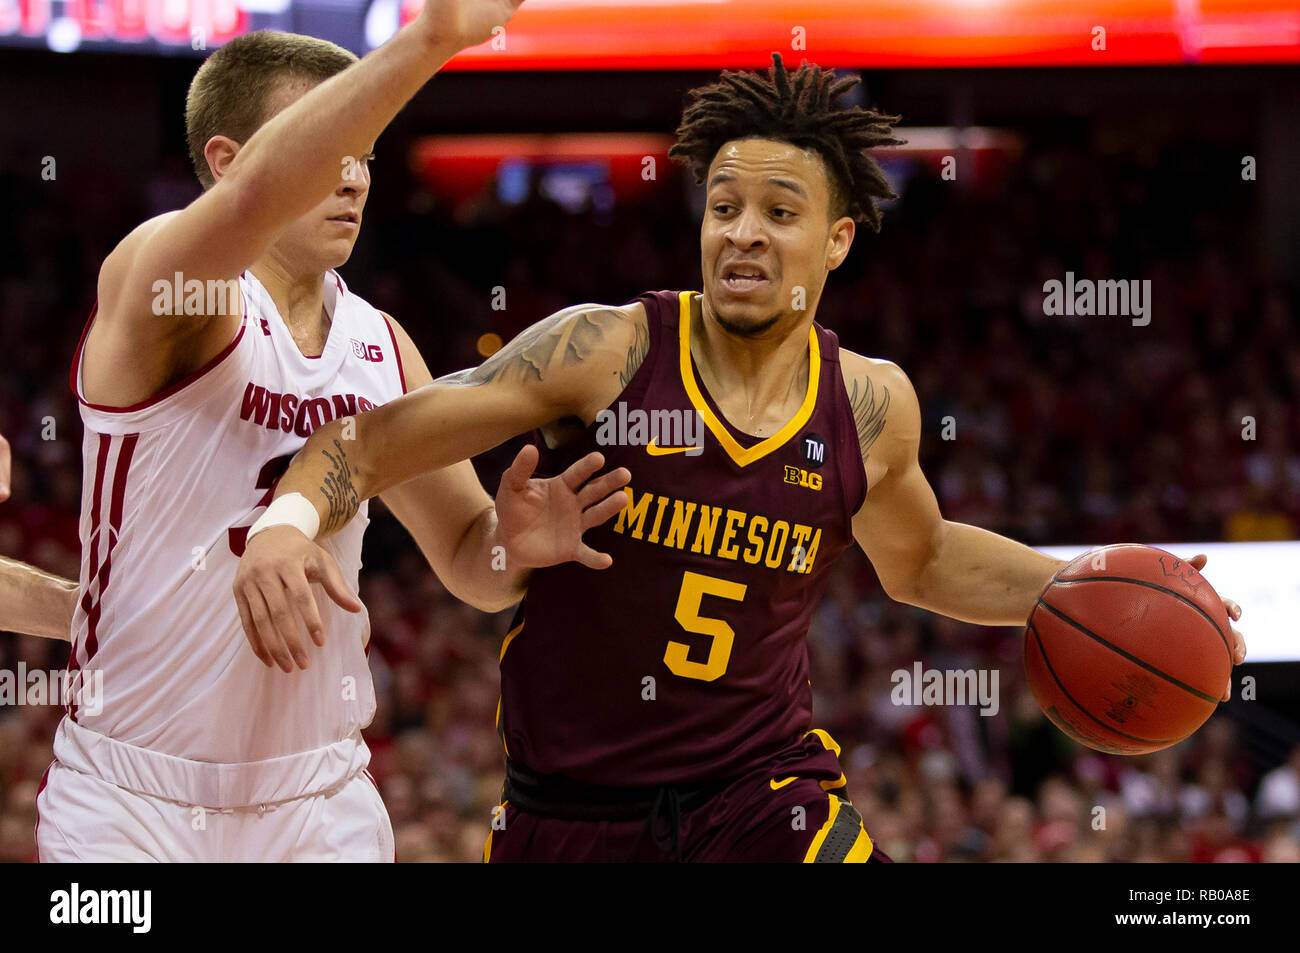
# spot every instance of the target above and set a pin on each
(756, 160)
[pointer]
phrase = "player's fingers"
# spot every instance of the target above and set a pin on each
(1232, 609)
(609, 507)
(285, 623)
(1227, 692)
(298, 591)
(603, 486)
(4, 469)
(1198, 562)
(592, 559)
(266, 630)
(1238, 647)
(521, 469)
(250, 631)
(325, 570)
(583, 470)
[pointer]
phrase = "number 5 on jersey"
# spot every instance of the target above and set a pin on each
(695, 586)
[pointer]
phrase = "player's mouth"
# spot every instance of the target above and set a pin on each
(744, 279)
(347, 218)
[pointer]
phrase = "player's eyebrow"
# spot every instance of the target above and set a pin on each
(793, 186)
(790, 184)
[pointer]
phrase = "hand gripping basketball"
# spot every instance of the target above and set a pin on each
(1129, 649)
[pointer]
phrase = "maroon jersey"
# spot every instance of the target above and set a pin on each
(686, 660)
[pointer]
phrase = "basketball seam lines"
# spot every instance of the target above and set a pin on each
(1158, 588)
(1051, 671)
(1132, 658)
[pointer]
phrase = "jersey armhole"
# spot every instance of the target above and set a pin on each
(653, 305)
(852, 471)
(397, 351)
(74, 375)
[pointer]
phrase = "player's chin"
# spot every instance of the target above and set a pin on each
(336, 252)
(748, 307)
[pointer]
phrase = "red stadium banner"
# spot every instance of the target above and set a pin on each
(712, 34)
(690, 34)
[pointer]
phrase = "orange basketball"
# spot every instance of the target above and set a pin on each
(1128, 649)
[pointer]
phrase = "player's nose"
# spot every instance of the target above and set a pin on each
(747, 231)
(356, 186)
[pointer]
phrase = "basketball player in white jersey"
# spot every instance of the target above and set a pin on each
(199, 751)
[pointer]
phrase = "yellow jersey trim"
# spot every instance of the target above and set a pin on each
(487, 844)
(510, 637)
(743, 457)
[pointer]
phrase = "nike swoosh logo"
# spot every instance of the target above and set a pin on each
(656, 451)
(777, 785)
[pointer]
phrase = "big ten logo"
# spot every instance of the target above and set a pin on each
(801, 477)
(367, 352)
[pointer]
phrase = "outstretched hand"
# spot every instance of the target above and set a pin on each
(541, 521)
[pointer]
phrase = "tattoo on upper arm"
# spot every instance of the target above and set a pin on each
(340, 493)
(635, 354)
(868, 412)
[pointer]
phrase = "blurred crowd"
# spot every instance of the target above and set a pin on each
(1080, 430)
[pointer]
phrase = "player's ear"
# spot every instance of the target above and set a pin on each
(839, 241)
(220, 152)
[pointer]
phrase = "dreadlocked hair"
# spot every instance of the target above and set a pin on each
(798, 109)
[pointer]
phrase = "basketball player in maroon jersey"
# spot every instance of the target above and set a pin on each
(662, 709)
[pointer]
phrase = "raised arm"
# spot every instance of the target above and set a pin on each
(571, 365)
(286, 167)
(922, 559)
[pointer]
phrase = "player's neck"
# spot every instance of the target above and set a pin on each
(757, 382)
(300, 301)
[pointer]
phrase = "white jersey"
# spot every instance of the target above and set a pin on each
(170, 487)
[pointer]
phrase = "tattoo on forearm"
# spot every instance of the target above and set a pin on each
(338, 489)
(868, 414)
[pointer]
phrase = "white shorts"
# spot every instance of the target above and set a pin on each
(84, 818)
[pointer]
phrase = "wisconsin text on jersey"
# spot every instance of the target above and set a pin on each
(297, 414)
(764, 539)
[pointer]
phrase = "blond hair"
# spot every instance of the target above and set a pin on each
(230, 93)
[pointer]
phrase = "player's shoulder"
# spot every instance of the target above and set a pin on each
(120, 259)
(876, 372)
(612, 322)
(596, 338)
(882, 399)
(120, 290)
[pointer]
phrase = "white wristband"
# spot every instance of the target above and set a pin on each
(292, 509)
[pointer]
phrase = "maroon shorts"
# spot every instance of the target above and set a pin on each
(793, 808)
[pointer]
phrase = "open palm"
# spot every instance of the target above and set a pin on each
(541, 521)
